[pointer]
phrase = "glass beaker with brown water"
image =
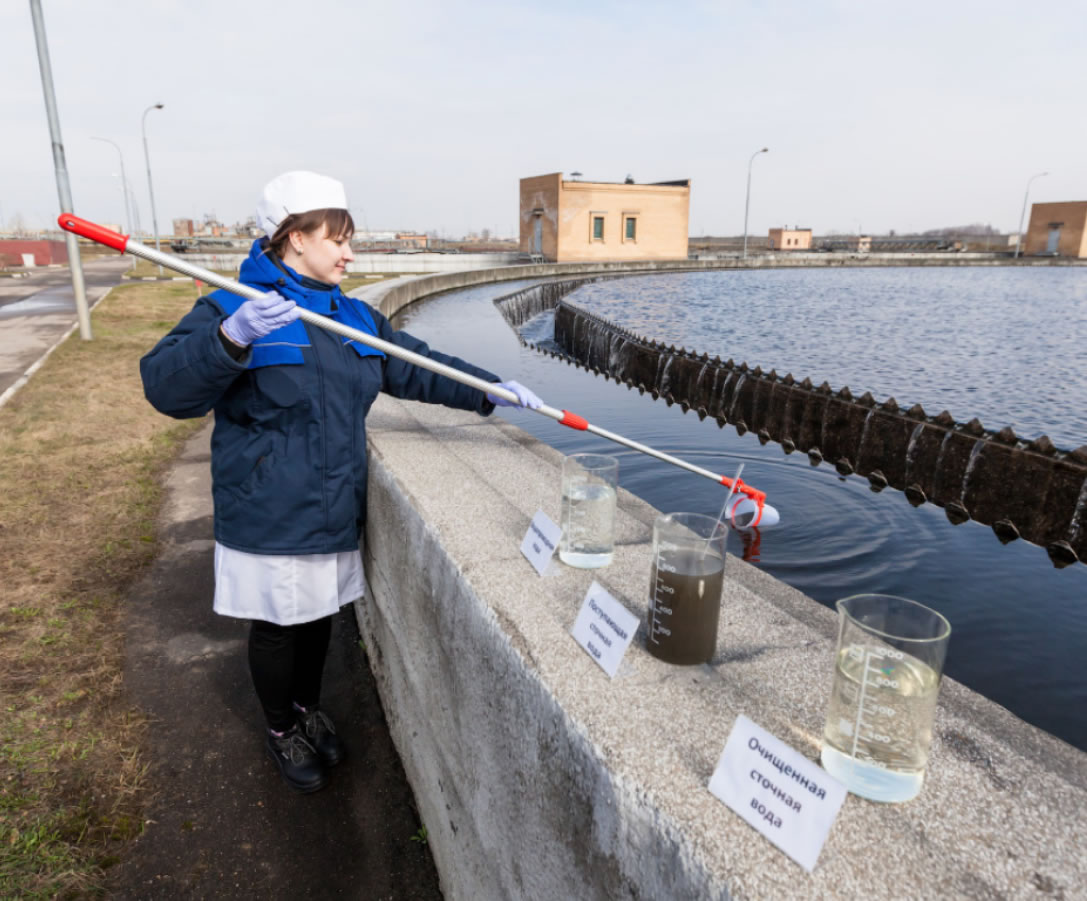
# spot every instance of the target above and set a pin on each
(685, 587)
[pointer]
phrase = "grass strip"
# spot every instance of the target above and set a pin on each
(81, 460)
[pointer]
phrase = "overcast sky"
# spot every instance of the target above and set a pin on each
(904, 115)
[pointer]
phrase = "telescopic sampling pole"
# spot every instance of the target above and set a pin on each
(564, 417)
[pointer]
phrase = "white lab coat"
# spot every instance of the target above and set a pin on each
(285, 589)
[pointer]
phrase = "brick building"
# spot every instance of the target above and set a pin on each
(1057, 229)
(790, 239)
(568, 221)
(45, 253)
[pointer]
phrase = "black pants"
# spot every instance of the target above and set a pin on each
(286, 663)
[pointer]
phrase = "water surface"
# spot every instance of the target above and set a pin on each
(1004, 344)
(1019, 625)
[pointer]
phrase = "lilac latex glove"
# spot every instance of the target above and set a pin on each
(526, 397)
(256, 318)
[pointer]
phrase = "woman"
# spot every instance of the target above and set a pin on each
(289, 448)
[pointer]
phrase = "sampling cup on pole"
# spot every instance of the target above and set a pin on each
(125, 244)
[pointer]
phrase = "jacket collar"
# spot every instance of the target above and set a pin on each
(264, 271)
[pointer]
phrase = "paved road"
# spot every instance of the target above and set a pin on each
(36, 311)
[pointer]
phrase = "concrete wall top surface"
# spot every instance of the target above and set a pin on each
(1002, 810)
(381, 262)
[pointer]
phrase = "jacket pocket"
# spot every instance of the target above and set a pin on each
(263, 470)
(279, 386)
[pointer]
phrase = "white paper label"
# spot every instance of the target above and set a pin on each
(778, 791)
(604, 628)
(540, 541)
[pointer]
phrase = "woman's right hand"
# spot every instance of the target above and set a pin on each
(256, 318)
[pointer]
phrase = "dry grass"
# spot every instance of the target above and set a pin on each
(81, 455)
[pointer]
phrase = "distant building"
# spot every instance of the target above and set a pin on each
(249, 228)
(1057, 229)
(848, 243)
(389, 241)
(790, 239)
(566, 221)
(183, 228)
(29, 252)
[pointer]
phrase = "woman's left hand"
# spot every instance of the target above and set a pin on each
(525, 397)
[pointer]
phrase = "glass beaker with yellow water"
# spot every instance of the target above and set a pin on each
(888, 664)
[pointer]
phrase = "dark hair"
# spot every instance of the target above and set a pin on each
(339, 223)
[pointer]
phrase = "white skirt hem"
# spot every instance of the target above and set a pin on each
(285, 589)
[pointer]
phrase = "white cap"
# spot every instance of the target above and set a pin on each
(297, 192)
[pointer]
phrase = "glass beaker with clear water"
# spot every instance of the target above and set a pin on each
(685, 587)
(588, 510)
(887, 669)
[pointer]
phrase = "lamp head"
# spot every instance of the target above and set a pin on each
(159, 105)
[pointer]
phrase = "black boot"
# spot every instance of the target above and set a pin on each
(297, 760)
(320, 733)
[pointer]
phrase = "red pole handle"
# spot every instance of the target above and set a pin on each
(573, 421)
(95, 232)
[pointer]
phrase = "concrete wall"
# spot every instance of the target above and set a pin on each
(410, 263)
(539, 778)
(430, 262)
(480, 268)
(1071, 217)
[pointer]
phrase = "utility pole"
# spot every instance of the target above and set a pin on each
(147, 160)
(1022, 215)
(124, 181)
(747, 201)
(64, 190)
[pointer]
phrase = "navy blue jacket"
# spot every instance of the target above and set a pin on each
(288, 453)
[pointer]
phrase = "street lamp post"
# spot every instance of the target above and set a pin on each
(147, 160)
(747, 202)
(124, 183)
(137, 228)
(1022, 215)
(60, 165)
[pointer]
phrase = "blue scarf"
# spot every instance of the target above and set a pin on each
(284, 345)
